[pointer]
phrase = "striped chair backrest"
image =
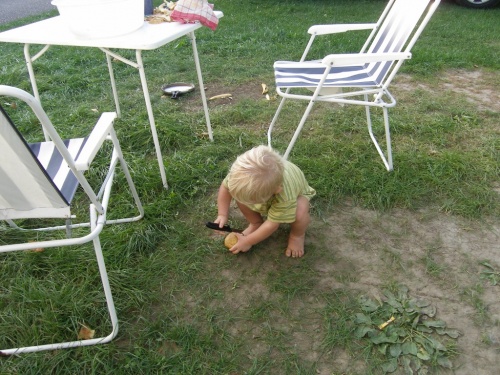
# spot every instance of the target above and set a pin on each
(26, 190)
(56, 167)
(394, 32)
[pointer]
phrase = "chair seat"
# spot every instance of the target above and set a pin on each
(55, 166)
(309, 74)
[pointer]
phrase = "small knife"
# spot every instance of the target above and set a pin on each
(225, 228)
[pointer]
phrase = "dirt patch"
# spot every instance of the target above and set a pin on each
(219, 96)
(478, 87)
(436, 256)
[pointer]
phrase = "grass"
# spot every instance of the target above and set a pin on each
(185, 306)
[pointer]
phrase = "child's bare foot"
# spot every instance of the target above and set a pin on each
(295, 247)
(251, 228)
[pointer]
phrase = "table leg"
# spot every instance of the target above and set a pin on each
(31, 72)
(29, 63)
(200, 82)
(113, 83)
(145, 90)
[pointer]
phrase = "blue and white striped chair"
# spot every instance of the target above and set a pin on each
(362, 78)
(39, 181)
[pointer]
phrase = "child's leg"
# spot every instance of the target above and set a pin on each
(254, 218)
(298, 229)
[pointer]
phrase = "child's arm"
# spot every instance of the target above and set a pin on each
(223, 202)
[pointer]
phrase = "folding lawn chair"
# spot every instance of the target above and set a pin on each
(39, 181)
(361, 78)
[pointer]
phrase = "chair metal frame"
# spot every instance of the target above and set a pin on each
(103, 131)
(383, 62)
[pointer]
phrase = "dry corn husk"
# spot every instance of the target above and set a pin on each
(161, 13)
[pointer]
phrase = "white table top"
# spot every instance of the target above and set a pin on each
(54, 31)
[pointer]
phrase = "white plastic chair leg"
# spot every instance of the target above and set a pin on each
(107, 292)
(386, 159)
(275, 118)
(299, 129)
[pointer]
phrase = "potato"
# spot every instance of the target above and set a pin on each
(230, 240)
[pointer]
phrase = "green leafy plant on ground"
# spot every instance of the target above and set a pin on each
(405, 331)
(490, 274)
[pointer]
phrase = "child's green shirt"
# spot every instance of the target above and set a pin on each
(282, 207)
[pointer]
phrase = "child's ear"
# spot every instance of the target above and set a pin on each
(279, 190)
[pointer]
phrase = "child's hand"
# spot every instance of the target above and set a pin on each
(242, 246)
(221, 220)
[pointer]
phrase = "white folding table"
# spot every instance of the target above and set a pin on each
(53, 31)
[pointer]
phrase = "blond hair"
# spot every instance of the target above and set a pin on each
(256, 175)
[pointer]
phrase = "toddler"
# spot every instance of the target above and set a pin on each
(264, 185)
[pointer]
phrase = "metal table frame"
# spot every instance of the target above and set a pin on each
(53, 31)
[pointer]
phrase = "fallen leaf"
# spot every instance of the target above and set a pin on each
(265, 90)
(86, 333)
(221, 96)
(204, 135)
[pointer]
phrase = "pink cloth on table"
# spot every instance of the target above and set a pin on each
(189, 11)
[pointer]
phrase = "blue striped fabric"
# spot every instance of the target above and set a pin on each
(55, 166)
(391, 37)
(310, 75)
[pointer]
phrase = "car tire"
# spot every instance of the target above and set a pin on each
(478, 4)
